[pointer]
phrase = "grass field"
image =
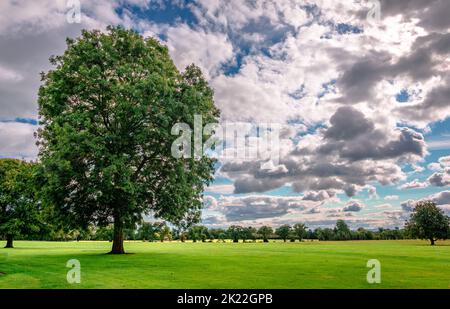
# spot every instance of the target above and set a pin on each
(404, 264)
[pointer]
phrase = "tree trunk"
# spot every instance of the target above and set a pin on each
(117, 247)
(432, 241)
(9, 241)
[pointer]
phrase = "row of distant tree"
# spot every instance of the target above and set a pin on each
(160, 231)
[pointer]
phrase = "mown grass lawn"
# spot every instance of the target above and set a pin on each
(404, 264)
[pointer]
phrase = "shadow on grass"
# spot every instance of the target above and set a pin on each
(122, 254)
(435, 245)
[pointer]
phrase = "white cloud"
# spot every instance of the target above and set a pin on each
(7, 75)
(415, 184)
(17, 140)
(209, 50)
(391, 197)
(221, 189)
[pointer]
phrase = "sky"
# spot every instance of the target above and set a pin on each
(360, 88)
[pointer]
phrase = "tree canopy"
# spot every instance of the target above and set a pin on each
(265, 231)
(283, 231)
(428, 221)
(106, 112)
(300, 230)
(19, 207)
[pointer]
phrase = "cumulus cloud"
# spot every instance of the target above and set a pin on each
(432, 14)
(353, 206)
(17, 140)
(413, 185)
(347, 155)
(259, 207)
(221, 189)
(440, 179)
(391, 197)
(318, 196)
(441, 199)
(384, 206)
(209, 50)
(445, 161)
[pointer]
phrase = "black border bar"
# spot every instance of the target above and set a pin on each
(222, 298)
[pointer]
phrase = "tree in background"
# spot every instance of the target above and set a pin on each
(300, 230)
(216, 233)
(342, 231)
(363, 234)
(427, 221)
(265, 231)
(184, 225)
(106, 112)
(165, 233)
(235, 232)
(147, 231)
(283, 231)
(19, 207)
(222, 236)
(198, 232)
(324, 234)
(104, 233)
(248, 233)
(130, 233)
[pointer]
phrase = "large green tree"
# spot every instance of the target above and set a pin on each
(342, 231)
(147, 231)
(198, 232)
(283, 231)
(248, 233)
(428, 221)
(19, 207)
(235, 232)
(106, 111)
(300, 230)
(265, 231)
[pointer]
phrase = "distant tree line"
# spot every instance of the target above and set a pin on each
(160, 232)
